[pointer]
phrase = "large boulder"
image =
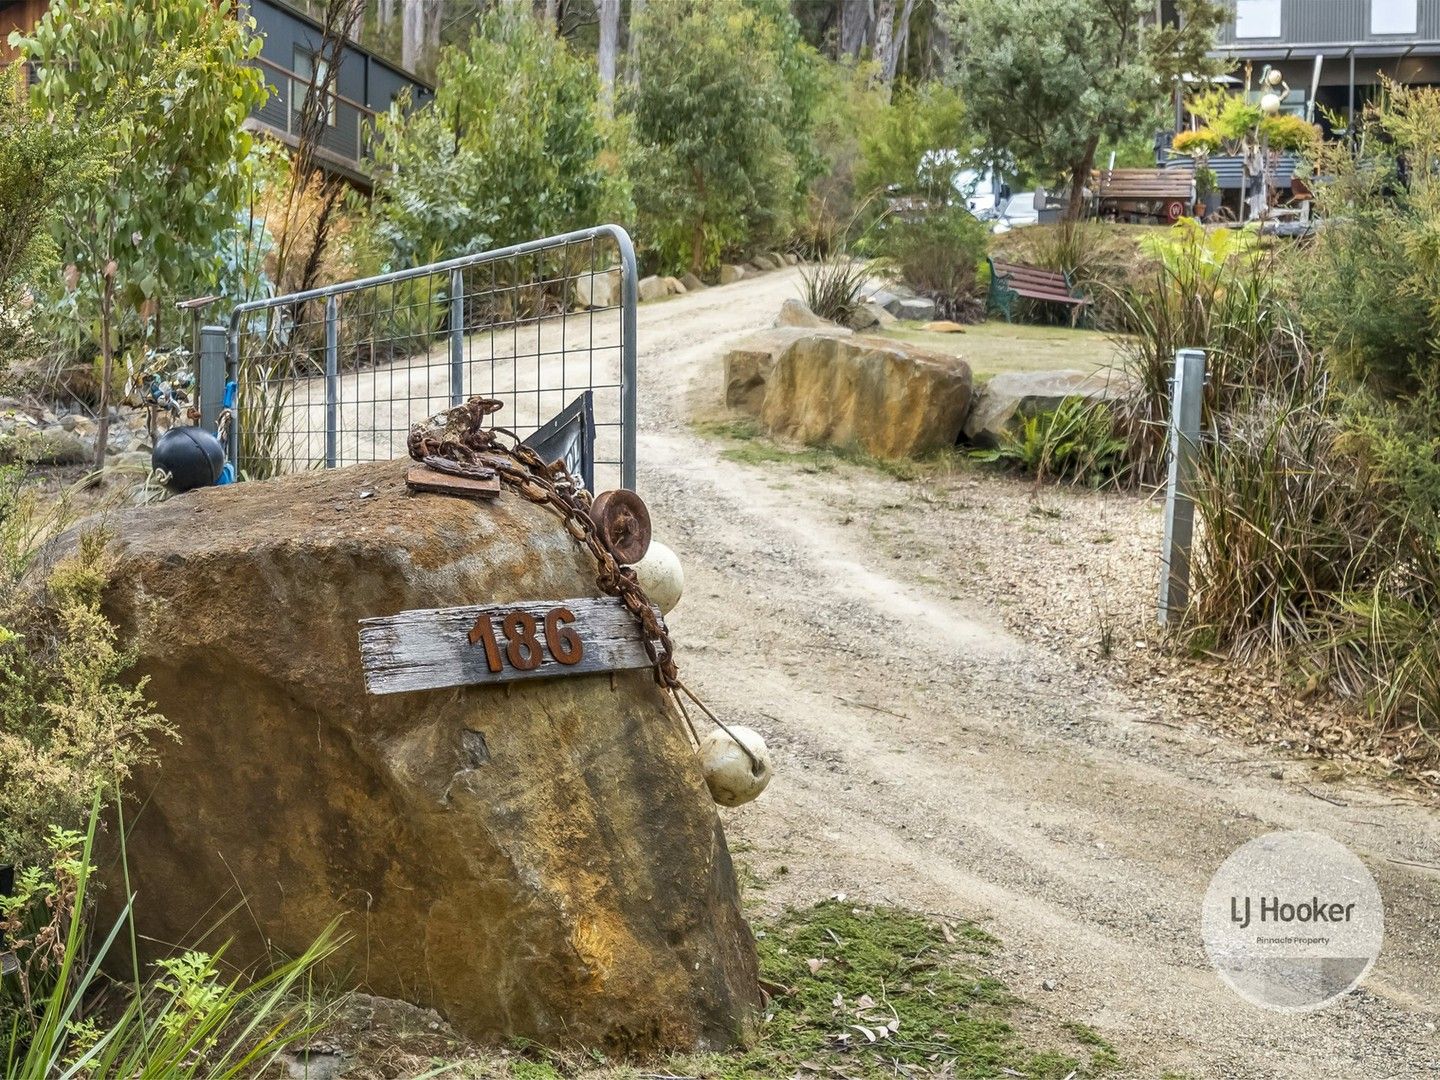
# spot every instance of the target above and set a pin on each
(830, 388)
(867, 314)
(750, 362)
(652, 288)
(795, 313)
(692, 282)
(544, 863)
(597, 290)
(730, 273)
(1003, 403)
(48, 446)
(915, 308)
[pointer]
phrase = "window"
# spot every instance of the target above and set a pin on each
(1393, 16)
(1258, 18)
(311, 71)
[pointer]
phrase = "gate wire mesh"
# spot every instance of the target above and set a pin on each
(338, 375)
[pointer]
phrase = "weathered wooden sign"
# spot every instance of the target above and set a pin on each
(569, 436)
(432, 648)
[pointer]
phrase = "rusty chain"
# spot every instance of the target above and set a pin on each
(460, 442)
(465, 446)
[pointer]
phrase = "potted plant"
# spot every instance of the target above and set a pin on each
(1207, 191)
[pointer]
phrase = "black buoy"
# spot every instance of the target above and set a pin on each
(190, 456)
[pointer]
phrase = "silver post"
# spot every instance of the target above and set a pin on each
(210, 375)
(1187, 393)
(629, 381)
(457, 337)
(332, 381)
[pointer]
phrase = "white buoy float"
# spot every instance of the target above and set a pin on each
(661, 577)
(731, 775)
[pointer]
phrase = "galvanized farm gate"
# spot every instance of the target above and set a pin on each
(339, 375)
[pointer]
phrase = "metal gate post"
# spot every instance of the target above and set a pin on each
(332, 381)
(629, 389)
(457, 337)
(210, 375)
(1188, 389)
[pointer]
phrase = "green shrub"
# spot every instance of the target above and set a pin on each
(509, 150)
(1214, 289)
(1370, 288)
(938, 254)
(832, 287)
(708, 154)
(71, 720)
(917, 144)
(188, 1020)
(1075, 443)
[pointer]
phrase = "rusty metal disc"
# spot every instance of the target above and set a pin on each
(623, 522)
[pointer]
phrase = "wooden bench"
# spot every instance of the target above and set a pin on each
(1012, 281)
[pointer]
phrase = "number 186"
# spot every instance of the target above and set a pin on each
(523, 648)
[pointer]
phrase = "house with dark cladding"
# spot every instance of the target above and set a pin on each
(1332, 55)
(365, 86)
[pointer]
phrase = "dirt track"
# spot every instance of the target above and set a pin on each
(929, 757)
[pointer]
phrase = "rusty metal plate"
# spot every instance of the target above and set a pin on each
(622, 521)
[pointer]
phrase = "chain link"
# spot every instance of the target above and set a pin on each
(460, 442)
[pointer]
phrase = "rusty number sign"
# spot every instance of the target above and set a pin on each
(523, 650)
(431, 648)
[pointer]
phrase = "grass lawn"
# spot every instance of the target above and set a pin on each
(996, 346)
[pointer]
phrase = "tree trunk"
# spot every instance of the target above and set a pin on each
(107, 363)
(884, 49)
(552, 15)
(385, 13)
(1079, 179)
(419, 31)
(899, 40)
(609, 13)
(856, 17)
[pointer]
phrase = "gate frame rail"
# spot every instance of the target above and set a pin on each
(629, 278)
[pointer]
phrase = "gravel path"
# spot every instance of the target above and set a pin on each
(922, 657)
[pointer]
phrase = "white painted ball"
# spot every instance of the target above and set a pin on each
(661, 576)
(1273, 77)
(1270, 104)
(733, 780)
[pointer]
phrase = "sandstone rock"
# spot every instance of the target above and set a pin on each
(777, 258)
(917, 308)
(595, 290)
(870, 314)
(1011, 396)
(652, 288)
(791, 259)
(132, 461)
(692, 283)
(944, 326)
(794, 313)
(674, 286)
(762, 262)
(48, 446)
(749, 363)
(544, 864)
(885, 398)
(751, 267)
(731, 273)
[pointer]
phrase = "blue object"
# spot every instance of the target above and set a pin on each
(227, 474)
